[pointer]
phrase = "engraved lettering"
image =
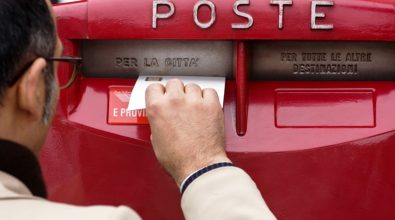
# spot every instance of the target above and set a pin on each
(126, 62)
(315, 15)
(194, 62)
(325, 63)
(168, 62)
(314, 56)
(359, 57)
(242, 14)
(196, 13)
(118, 62)
(288, 57)
(336, 57)
(296, 68)
(185, 62)
(156, 16)
(281, 4)
(133, 62)
(151, 62)
(179, 62)
(325, 69)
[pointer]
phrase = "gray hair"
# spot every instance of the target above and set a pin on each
(27, 31)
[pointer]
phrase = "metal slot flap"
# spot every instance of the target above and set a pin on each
(268, 60)
(323, 60)
(128, 59)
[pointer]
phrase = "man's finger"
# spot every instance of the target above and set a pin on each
(175, 86)
(153, 92)
(211, 96)
(193, 90)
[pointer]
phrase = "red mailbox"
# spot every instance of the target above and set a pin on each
(309, 102)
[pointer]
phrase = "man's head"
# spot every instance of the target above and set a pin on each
(28, 88)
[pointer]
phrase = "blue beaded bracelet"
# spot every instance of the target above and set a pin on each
(201, 172)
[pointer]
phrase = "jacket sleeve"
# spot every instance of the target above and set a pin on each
(125, 213)
(224, 193)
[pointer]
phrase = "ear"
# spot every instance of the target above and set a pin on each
(31, 90)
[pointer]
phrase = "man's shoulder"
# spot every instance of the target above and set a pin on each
(17, 202)
(25, 208)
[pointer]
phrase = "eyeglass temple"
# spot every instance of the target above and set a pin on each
(71, 80)
(65, 59)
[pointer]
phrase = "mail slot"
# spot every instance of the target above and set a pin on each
(128, 59)
(269, 60)
(309, 101)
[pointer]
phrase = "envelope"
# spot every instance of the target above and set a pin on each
(137, 98)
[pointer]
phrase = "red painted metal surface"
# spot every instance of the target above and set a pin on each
(352, 20)
(241, 75)
(328, 166)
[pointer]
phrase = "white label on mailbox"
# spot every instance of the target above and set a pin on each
(138, 92)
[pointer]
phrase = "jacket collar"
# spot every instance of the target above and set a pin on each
(21, 173)
(11, 187)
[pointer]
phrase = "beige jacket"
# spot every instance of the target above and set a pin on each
(225, 193)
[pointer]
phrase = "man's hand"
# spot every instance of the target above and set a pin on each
(187, 126)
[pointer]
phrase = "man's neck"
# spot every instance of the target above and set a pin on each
(16, 132)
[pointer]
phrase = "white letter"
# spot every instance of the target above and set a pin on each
(196, 12)
(242, 14)
(134, 114)
(315, 14)
(155, 14)
(115, 112)
(281, 4)
(123, 112)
